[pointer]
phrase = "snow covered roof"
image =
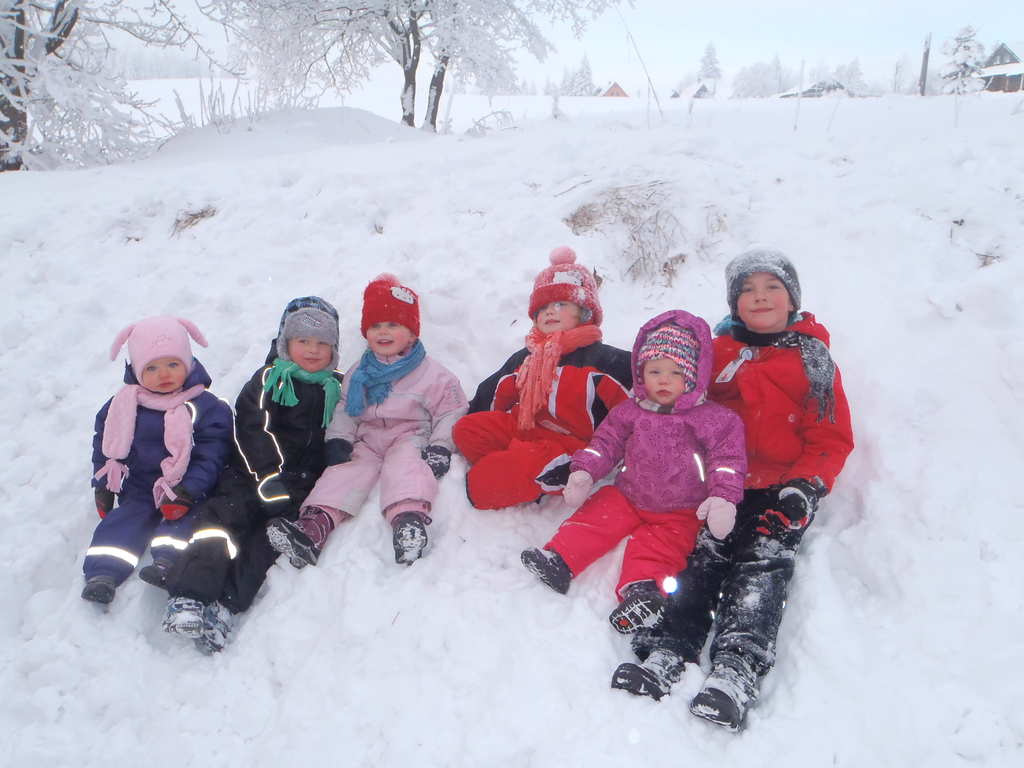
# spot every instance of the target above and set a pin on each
(1004, 69)
(1015, 47)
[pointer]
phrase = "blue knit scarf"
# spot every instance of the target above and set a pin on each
(371, 382)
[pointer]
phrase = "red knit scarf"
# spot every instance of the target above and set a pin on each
(537, 373)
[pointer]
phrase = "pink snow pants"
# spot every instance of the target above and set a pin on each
(659, 542)
(406, 482)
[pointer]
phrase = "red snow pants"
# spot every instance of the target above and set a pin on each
(507, 464)
(659, 542)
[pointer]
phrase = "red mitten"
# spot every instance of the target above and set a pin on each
(179, 507)
(104, 501)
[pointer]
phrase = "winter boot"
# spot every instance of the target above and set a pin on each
(642, 607)
(218, 622)
(183, 616)
(291, 540)
(99, 589)
(728, 692)
(156, 572)
(653, 678)
(548, 566)
(409, 537)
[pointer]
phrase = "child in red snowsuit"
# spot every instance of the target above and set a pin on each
(683, 462)
(545, 402)
(773, 368)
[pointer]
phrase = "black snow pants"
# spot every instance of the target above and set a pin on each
(739, 585)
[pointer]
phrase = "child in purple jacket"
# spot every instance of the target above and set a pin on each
(159, 447)
(684, 462)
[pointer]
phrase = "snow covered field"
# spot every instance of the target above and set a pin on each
(903, 640)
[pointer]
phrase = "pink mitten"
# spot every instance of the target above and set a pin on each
(578, 488)
(720, 514)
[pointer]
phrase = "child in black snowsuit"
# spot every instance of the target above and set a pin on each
(280, 417)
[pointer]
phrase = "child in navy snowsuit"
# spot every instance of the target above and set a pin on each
(159, 446)
(280, 417)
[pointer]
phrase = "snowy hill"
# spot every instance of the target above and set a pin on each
(904, 632)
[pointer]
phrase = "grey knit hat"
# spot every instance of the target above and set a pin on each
(308, 317)
(760, 260)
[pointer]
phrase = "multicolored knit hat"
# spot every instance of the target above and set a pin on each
(760, 260)
(308, 317)
(387, 300)
(677, 344)
(565, 280)
(156, 337)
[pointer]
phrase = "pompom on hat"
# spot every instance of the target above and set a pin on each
(565, 280)
(156, 337)
(387, 300)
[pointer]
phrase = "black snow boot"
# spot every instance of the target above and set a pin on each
(409, 537)
(548, 566)
(653, 678)
(642, 607)
(728, 692)
(290, 540)
(99, 589)
(156, 573)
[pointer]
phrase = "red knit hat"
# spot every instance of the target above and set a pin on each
(386, 300)
(565, 280)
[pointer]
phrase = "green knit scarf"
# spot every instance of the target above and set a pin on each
(282, 389)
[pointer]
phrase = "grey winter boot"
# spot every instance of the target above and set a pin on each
(409, 537)
(218, 622)
(156, 572)
(653, 678)
(548, 566)
(290, 540)
(728, 692)
(183, 616)
(642, 607)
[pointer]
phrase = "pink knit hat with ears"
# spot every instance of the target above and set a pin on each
(565, 280)
(155, 337)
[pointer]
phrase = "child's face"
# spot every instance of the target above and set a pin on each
(557, 316)
(664, 380)
(311, 355)
(764, 305)
(388, 338)
(164, 375)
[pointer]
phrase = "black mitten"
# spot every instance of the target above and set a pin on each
(438, 458)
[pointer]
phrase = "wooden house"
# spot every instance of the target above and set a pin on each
(1004, 70)
(615, 90)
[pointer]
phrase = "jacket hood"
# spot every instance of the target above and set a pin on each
(197, 375)
(700, 329)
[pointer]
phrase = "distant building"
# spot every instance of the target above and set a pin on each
(698, 91)
(615, 90)
(1003, 70)
(817, 90)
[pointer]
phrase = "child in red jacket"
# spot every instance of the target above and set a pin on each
(773, 368)
(527, 419)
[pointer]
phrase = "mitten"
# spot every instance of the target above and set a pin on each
(720, 514)
(104, 501)
(438, 458)
(794, 509)
(273, 491)
(337, 451)
(578, 488)
(177, 509)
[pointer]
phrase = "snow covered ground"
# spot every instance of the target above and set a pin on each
(903, 639)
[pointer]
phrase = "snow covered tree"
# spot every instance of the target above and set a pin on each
(851, 77)
(579, 82)
(61, 101)
(965, 55)
(762, 79)
(709, 69)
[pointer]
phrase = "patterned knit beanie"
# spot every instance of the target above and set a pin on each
(157, 337)
(308, 317)
(677, 344)
(565, 280)
(760, 260)
(386, 300)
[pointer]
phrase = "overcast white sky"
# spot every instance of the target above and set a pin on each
(672, 35)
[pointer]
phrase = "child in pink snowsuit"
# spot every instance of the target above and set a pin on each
(684, 461)
(394, 421)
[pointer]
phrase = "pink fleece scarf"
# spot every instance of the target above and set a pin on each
(119, 432)
(537, 373)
